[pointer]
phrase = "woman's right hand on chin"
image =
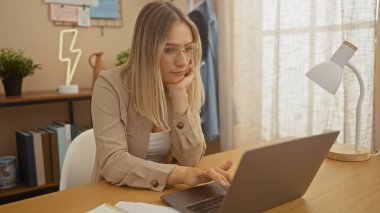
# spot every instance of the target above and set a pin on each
(193, 176)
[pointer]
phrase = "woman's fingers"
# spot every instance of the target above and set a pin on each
(217, 177)
(226, 166)
(187, 80)
(226, 174)
(220, 175)
(184, 83)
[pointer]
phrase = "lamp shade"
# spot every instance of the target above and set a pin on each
(327, 75)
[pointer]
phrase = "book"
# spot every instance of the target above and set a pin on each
(53, 138)
(46, 149)
(67, 131)
(71, 131)
(107, 208)
(83, 129)
(26, 159)
(38, 157)
(61, 138)
(74, 131)
(132, 207)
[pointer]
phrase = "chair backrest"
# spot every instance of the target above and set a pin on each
(79, 161)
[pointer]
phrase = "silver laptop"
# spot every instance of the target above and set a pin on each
(266, 177)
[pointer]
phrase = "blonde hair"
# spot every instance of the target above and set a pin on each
(147, 90)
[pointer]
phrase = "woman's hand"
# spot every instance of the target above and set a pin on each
(193, 176)
(184, 83)
(178, 93)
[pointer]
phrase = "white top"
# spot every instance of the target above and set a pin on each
(159, 146)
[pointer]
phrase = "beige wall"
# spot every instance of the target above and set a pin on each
(25, 25)
(32, 31)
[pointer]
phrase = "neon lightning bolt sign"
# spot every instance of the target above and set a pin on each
(70, 70)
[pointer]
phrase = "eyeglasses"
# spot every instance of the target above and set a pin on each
(171, 52)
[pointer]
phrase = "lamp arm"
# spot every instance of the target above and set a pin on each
(359, 105)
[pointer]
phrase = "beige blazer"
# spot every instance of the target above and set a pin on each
(122, 137)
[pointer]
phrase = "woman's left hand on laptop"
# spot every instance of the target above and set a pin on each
(193, 176)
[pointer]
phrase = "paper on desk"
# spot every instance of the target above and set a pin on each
(137, 207)
(107, 208)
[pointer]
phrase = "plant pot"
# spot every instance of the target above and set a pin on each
(12, 87)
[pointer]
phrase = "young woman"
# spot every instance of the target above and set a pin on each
(149, 107)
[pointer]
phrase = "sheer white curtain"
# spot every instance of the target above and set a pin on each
(267, 46)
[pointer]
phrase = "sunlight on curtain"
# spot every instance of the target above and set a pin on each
(275, 43)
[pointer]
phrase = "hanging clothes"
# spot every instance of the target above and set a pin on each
(209, 74)
(200, 21)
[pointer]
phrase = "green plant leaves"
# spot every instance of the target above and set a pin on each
(14, 65)
(122, 57)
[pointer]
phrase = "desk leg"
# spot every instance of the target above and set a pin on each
(71, 112)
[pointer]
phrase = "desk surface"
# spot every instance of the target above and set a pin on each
(337, 187)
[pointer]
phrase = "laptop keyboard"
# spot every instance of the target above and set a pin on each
(209, 205)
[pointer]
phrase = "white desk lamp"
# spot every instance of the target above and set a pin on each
(328, 75)
(67, 88)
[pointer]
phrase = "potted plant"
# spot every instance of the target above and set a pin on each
(122, 57)
(14, 66)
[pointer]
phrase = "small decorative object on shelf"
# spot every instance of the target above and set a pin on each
(8, 177)
(97, 67)
(122, 57)
(67, 88)
(14, 66)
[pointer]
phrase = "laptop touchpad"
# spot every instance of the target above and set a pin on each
(192, 195)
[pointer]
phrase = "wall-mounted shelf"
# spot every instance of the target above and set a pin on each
(44, 97)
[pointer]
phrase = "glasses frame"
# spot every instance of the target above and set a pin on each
(179, 50)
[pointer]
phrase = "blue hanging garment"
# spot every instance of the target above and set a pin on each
(209, 111)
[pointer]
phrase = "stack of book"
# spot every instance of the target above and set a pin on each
(41, 152)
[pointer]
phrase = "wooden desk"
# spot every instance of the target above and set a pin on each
(338, 187)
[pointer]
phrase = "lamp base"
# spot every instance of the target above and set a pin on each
(68, 89)
(347, 152)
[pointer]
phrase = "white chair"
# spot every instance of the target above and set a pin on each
(79, 161)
